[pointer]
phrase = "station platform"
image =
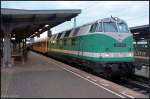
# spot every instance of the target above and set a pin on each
(44, 77)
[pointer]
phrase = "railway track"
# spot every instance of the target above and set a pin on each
(137, 83)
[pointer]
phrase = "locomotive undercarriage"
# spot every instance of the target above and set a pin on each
(108, 70)
(118, 70)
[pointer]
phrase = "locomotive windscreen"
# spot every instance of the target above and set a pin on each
(123, 28)
(110, 27)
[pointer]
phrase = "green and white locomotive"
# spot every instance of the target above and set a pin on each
(105, 46)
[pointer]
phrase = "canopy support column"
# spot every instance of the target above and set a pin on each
(74, 22)
(148, 43)
(7, 47)
(1, 49)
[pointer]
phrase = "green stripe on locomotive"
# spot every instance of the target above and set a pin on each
(89, 43)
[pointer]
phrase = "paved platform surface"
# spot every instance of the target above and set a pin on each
(42, 78)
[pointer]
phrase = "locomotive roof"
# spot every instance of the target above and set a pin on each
(108, 19)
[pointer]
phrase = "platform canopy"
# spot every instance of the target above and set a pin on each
(140, 32)
(30, 23)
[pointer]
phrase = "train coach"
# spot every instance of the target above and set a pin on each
(105, 46)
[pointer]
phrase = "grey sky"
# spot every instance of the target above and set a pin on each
(133, 12)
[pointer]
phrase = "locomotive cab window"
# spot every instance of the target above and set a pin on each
(110, 27)
(99, 27)
(93, 27)
(123, 28)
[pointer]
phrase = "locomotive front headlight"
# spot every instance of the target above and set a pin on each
(130, 54)
(106, 55)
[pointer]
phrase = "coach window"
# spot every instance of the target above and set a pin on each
(39, 44)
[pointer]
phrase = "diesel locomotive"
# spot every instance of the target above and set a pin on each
(105, 46)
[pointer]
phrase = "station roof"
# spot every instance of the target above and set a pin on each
(28, 23)
(140, 32)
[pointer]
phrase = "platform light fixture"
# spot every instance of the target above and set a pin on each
(31, 36)
(40, 29)
(116, 18)
(142, 38)
(46, 25)
(13, 38)
(136, 33)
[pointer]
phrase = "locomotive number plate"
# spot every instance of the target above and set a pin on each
(119, 45)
